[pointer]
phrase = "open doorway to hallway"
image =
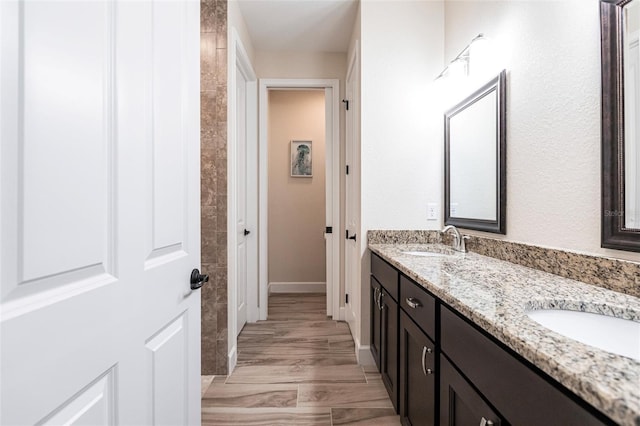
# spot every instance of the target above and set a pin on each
(296, 191)
(299, 127)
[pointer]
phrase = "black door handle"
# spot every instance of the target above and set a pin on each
(353, 237)
(246, 232)
(198, 279)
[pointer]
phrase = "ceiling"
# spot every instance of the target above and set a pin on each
(300, 25)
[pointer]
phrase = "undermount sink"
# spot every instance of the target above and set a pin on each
(426, 253)
(616, 335)
(432, 252)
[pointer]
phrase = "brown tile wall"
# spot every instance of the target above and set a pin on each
(213, 136)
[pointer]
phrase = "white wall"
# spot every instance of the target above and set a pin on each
(551, 51)
(236, 20)
(401, 131)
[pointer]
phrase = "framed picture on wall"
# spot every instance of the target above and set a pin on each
(301, 160)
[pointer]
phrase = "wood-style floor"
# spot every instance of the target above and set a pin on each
(297, 368)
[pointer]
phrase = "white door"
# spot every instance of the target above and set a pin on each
(351, 196)
(99, 218)
(241, 198)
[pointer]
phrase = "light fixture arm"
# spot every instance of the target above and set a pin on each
(463, 55)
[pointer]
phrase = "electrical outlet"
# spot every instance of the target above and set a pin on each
(432, 211)
(453, 210)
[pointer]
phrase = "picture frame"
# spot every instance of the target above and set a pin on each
(301, 158)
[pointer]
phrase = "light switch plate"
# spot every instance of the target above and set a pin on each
(454, 210)
(432, 211)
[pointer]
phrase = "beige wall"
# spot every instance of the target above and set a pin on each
(553, 114)
(296, 205)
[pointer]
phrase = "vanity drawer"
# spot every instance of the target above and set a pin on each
(514, 388)
(419, 305)
(386, 275)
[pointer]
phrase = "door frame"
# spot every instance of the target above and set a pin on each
(352, 137)
(332, 138)
(239, 59)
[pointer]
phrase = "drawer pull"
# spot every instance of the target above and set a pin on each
(425, 370)
(413, 303)
(485, 422)
(377, 295)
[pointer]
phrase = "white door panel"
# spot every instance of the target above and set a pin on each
(352, 207)
(94, 405)
(42, 186)
(99, 225)
(169, 373)
(241, 198)
(167, 170)
(167, 144)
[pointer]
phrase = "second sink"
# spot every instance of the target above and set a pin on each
(616, 335)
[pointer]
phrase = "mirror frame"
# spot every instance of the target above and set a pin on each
(614, 233)
(498, 226)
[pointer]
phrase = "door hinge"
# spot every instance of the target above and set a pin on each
(347, 169)
(328, 230)
(346, 104)
(346, 298)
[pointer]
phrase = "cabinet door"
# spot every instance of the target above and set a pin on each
(460, 404)
(417, 375)
(375, 320)
(389, 346)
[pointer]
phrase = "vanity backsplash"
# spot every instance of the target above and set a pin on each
(613, 274)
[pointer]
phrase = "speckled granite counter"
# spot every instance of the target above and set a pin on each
(495, 294)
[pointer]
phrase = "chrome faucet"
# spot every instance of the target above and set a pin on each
(458, 240)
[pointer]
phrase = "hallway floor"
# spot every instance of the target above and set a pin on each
(297, 368)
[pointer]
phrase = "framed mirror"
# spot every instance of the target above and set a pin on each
(620, 30)
(475, 160)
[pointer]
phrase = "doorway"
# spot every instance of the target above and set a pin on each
(297, 196)
(332, 188)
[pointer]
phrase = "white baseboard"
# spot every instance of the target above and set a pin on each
(363, 353)
(309, 287)
(341, 315)
(232, 360)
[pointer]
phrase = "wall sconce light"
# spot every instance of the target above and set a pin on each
(467, 59)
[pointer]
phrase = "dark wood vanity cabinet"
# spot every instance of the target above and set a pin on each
(417, 375)
(518, 392)
(384, 324)
(440, 368)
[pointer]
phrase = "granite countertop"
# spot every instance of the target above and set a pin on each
(495, 294)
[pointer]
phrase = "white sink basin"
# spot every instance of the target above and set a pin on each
(426, 253)
(611, 334)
